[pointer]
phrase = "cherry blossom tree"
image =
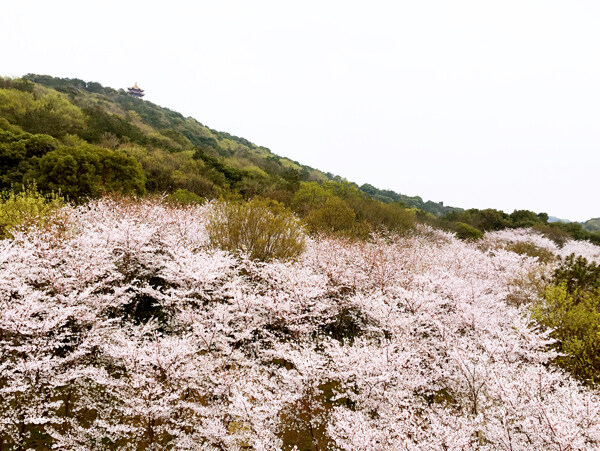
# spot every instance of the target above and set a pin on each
(122, 328)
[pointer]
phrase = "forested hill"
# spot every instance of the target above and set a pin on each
(111, 118)
(83, 140)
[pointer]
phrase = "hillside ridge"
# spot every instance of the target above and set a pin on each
(84, 140)
(198, 134)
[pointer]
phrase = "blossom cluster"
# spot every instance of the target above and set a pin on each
(123, 328)
(512, 236)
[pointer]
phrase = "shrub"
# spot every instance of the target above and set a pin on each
(531, 250)
(570, 308)
(28, 207)
(309, 196)
(87, 171)
(335, 216)
(554, 233)
(72, 171)
(379, 215)
(185, 197)
(264, 229)
(578, 274)
(574, 319)
(467, 232)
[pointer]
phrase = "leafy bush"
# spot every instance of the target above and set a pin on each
(264, 229)
(24, 208)
(17, 155)
(554, 233)
(488, 219)
(570, 308)
(184, 197)
(309, 196)
(531, 250)
(526, 218)
(335, 216)
(390, 216)
(574, 319)
(80, 172)
(467, 232)
(578, 274)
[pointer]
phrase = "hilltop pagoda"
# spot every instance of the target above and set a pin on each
(135, 91)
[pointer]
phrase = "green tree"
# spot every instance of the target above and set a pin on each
(524, 218)
(335, 216)
(570, 309)
(74, 172)
(17, 152)
(121, 173)
(309, 196)
(467, 232)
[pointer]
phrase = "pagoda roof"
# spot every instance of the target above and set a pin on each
(135, 88)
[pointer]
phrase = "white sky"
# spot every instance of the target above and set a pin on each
(474, 103)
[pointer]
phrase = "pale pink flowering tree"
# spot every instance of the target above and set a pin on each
(125, 329)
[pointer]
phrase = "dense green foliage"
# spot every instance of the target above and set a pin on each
(467, 232)
(490, 219)
(184, 197)
(72, 167)
(570, 308)
(388, 196)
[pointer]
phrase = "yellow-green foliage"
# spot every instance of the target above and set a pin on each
(5, 125)
(570, 308)
(45, 111)
(575, 322)
(380, 215)
(25, 208)
(335, 216)
(310, 196)
(170, 171)
(341, 208)
(264, 229)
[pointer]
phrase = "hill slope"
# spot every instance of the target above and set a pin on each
(593, 225)
(115, 119)
(84, 140)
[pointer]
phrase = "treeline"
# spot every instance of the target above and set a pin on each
(472, 224)
(388, 196)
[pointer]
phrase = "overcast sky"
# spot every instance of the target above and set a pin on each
(474, 103)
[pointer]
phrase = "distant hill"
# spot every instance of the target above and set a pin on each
(593, 225)
(555, 219)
